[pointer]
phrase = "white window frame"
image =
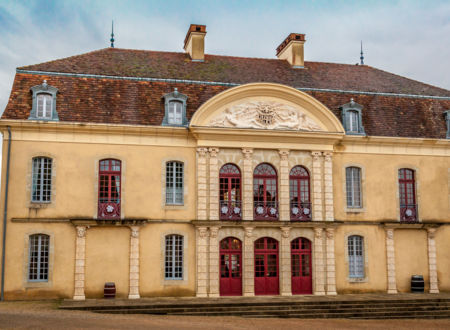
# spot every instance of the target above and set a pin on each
(38, 261)
(352, 118)
(356, 263)
(175, 113)
(353, 187)
(174, 257)
(47, 106)
(174, 175)
(37, 174)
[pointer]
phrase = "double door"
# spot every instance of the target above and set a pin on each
(266, 267)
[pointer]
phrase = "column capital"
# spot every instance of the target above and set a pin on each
(328, 156)
(213, 152)
(330, 233)
(202, 231)
(431, 232)
(81, 231)
(390, 233)
(249, 231)
(214, 231)
(284, 154)
(285, 231)
(134, 231)
(318, 232)
(202, 151)
(248, 152)
(316, 155)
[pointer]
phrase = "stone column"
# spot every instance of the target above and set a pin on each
(247, 187)
(134, 263)
(328, 186)
(284, 199)
(249, 260)
(317, 186)
(202, 261)
(285, 262)
(213, 184)
(331, 268)
(390, 261)
(319, 262)
(432, 266)
(202, 203)
(214, 262)
(80, 261)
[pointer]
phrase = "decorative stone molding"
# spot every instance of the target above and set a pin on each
(285, 231)
(80, 262)
(213, 231)
(317, 185)
(249, 232)
(134, 263)
(328, 186)
(213, 184)
(214, 266)
(285, 262)
(331, 268)
(432, 264)
(202, 203)
(319, 262)
(247, 187)
(202, 261)
(284, 185)
(175, 96)
(390, 261)
(44, 89)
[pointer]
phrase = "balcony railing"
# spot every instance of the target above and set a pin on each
(109, 210)
(230, 210)
(408, 212)
(301, 211)
(267, 211)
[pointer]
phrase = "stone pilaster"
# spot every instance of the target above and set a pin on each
(328, 185)
(285, 263)
(247, 187)
(331, 268)
(284, 185)
(202, 203)
(202, 261)
(390, 261)
(80, 261)
(134, 263)
(432, 265)
(248, 269)
(317, 185)
(319, 262)
(213, 184)
(214, 262)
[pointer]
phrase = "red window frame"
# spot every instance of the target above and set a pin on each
(230, 266)
(300, 194)
(230, 193)
(265, 181)
(266, 266)
(109, 175)
(301, 266)
(407, 192)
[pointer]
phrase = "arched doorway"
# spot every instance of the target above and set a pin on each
(301, 266)
(230, 267)
(266, 266)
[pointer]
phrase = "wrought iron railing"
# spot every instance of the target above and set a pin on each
(301, 211)
(408, 212)
(265, 211)
(108, 210)
(230, 210)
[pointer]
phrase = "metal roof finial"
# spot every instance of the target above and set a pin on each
(112, 34)
(362, 55)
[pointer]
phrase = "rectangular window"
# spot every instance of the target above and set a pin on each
(44, 106)
(352, 121)
(353, 187)
(42, 180)
(356, 256)
(174, 183)
(109, 188)
(175, 113)
(38, 258)
(173, 269)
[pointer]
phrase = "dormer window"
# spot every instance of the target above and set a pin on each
(352, 118)
(447, 118)
(44, 102)
(175, 109)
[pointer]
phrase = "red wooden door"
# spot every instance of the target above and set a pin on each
(266, 266)
(301, 266)
(230, 267)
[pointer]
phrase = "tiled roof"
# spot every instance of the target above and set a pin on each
(130, 101)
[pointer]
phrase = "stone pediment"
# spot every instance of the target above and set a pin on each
(264, 115)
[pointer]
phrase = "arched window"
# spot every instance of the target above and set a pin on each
(109, 186)
(44, 106)
(230, 192)
(42, 180)
(407, 192)
(299, 190)
(353, 186)
(355, 256)
(174, 183)
(265, 192)
(38, 258)
(173, 268)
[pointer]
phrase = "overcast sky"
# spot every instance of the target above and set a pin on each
(410, 38)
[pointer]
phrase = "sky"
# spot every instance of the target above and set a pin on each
(409, 38)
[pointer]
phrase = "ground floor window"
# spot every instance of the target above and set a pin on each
(174, 257)
(38, 258)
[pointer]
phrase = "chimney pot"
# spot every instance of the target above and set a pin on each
(194, 43)
(291, 49)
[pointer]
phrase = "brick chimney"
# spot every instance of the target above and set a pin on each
(291, 49)
(194, 43)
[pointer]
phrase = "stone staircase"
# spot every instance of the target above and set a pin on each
(289, 307)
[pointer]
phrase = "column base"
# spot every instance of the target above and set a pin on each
(201, 295)
(434, 290)
(392, 291)
(79, 297)
(331, 293)
(320, 293)
(134, 296)
(249, 294)
(286, 294)
(214, 295)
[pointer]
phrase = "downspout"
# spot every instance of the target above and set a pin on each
(5, 213)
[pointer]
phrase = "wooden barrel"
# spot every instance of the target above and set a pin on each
(109, 291)
(417, 283)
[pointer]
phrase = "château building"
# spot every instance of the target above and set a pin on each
(187, 174)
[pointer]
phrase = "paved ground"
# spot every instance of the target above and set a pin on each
(45, 315)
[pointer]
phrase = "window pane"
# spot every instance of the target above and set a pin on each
(353, 186)
(42, 179)
(175, 112)
(352, 121)
(356, 256)
(174, 183)
(174, 257)
(38, 259)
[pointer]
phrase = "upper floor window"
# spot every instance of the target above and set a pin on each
(407, 194)
(44, 102)
(355, 256)
(41, 191)
(109, 187)
(352, 118)
(265, 192)
(230, 192)
(38, 258)
(353, 187)
(299, 190)
(174, 183)
(447, 119)
(173, 268)
(175, 109)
